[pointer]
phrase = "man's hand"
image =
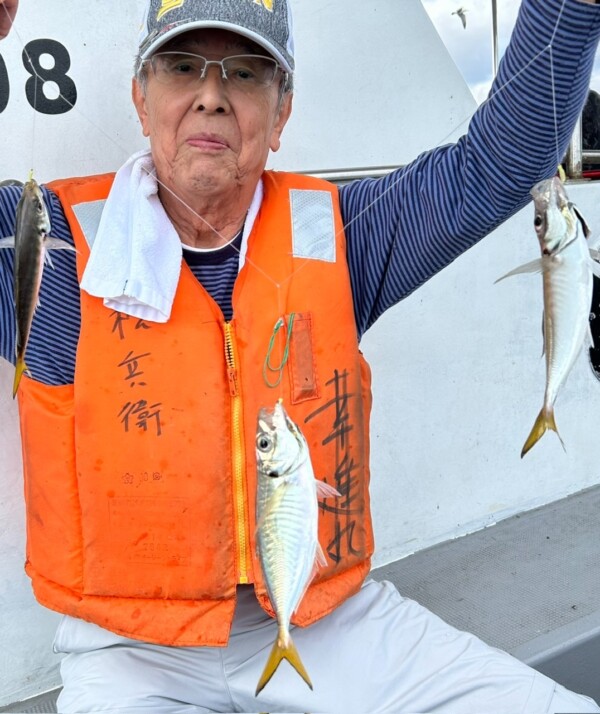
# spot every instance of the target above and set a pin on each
(8, 10)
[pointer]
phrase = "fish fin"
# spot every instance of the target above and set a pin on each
(595, 262)
(320, 559)
(48, 259)
(20, 367)
(324, 490)
(58, 244)
(595, 254)
(316, 566)
(545, 420)
(535, 266)
(586, 229)
(8, 242)
(279, 652)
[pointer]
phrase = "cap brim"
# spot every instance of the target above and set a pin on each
(207, 24)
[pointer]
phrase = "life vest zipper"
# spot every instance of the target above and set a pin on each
(238, 453)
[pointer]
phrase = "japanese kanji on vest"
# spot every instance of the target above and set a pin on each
(140, 477)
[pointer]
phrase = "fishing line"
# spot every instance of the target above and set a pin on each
(39, 79)
(282, 311)
(35, 92)
(226, 241)
(114, 142)
(553, 89)
(281, 290)
(552, 81)
(402, 175)
(407, 172)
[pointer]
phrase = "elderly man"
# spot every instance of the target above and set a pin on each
(205, 288)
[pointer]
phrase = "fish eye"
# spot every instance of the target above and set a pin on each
(538, 221)
(273, 474)
(263, 443)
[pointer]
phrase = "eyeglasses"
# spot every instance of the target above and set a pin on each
(184, 70)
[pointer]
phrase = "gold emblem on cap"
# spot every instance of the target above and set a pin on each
(267, 4)
(168, 5)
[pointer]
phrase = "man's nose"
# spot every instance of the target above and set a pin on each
(211, 92)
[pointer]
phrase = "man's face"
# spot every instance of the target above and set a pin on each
(209, 139)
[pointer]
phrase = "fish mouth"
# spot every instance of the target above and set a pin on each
(271, 419)
(548, 193)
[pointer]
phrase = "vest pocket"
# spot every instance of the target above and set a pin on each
(301, 364)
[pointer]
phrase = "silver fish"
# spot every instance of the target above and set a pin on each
(567, 269)
(287, 537)
(31, 242)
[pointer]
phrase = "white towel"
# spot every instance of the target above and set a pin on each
(135, 260)
(249, 222)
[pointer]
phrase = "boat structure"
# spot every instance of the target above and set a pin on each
(504, 547)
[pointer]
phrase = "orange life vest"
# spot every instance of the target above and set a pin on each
(140, 478)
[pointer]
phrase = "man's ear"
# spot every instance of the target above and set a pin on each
(139, 102)
(284, 114)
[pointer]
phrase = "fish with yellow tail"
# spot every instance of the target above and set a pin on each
(567, 269)
(31, 243)
(286, 531)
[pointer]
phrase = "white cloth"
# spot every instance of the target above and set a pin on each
(250, 218)
(378, 653)
(135, 260)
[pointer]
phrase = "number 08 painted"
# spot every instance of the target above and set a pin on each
(34, 87)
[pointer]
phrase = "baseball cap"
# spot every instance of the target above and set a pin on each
(266, 22)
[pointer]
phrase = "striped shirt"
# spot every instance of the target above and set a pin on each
(217, 270)
(401, 229)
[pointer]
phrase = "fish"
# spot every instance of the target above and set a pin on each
(567, 265)
(31, 243)
(287, 526)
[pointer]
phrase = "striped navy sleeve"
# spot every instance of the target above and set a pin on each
(404, 228)
(9, 198)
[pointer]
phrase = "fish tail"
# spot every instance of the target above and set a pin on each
(544, 421)
(20, 368)
(284, 648)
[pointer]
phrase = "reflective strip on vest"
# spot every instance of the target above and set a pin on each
(136, 520)
(313, 232)
(312, 223)
(89, 214)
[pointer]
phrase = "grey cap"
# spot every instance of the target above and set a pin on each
(266, 22)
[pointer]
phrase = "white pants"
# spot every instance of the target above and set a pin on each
(378, 653)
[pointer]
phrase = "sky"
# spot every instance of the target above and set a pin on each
(471, 47)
